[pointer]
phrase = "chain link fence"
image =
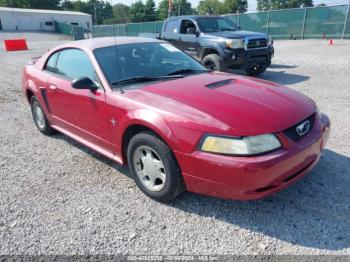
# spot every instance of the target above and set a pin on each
(298, 23)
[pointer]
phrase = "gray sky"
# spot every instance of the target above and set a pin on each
(251, 3)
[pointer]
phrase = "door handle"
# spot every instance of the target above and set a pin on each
(52, 86)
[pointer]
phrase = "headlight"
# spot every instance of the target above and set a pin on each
(235, 43)
(270, 40)
(245, 146)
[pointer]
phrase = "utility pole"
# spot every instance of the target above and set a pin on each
(95, 13)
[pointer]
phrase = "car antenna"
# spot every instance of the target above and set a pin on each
(116, 56)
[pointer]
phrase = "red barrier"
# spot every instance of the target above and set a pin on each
(15, 44)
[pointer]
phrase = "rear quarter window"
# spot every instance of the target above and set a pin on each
(51, 62)
(172, 26)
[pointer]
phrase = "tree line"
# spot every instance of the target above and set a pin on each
(145, 10)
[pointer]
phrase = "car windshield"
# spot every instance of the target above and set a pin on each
(143, 62)
(216, 24)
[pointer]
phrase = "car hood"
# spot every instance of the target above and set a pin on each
(236, 34)
(231, 103)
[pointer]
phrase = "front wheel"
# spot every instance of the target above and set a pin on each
(214, 62)
(154, 167)
(256, 70)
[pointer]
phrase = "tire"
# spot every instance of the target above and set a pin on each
(168, 183)
(256, 70)
(40, 119)
(214, 62)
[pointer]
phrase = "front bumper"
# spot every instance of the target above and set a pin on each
(245, 59)
(249, 178)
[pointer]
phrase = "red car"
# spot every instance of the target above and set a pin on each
(145, 104)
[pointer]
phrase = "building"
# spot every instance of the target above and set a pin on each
(43, 20)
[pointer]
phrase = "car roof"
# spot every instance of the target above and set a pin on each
(100, 42)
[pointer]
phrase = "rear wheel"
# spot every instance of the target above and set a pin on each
(256, 70)
(154, 167)
(214, 62)
(39, 117)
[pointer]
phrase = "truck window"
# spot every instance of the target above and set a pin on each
(185, 24)
(171, 26)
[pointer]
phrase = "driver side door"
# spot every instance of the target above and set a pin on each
(189, 42)
(81, 112)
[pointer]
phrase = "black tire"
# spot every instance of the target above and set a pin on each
(174, 184)
(214, 62)
(45, 128)
(256, 70)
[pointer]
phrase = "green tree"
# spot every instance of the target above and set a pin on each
(264, 5)
(150, 11)
(67, 5)
(44, 4)
(103, 10)
(234, 6)
(120, 15)
(211, 7)
(14, 3)
(182, 7)
(36, 4)
(137, 12)
(163, 9)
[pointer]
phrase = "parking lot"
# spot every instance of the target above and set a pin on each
(58, 197)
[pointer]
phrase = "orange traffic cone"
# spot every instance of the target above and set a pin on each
(330, 41)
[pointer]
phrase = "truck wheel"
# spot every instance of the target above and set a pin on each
(256, 70)
(214, 62)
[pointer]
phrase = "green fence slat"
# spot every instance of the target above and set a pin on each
(328, 21)
(134, 29)
(286, 24)
(256, 22)
(347, 29)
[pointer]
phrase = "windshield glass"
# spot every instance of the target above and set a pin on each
(216, 24)
(144, 62)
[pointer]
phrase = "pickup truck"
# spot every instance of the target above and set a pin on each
(219, 43)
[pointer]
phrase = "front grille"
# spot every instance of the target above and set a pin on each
(292, 133)
(257, 43)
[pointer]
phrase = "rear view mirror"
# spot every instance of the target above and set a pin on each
(84, 83)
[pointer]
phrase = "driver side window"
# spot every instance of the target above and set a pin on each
(74, 63)
(185, 25)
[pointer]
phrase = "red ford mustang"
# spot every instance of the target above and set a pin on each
(178, 126)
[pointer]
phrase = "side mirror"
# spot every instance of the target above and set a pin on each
(84, 83)
(239, 28)
(191, 31)
(197, 33)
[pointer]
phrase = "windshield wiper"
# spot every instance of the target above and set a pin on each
(144, 79)
(186, 71)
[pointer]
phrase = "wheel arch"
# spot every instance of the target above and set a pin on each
(135, 126)
(211, 49)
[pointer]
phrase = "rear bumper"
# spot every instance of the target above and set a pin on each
(249, 178)
(245, 59)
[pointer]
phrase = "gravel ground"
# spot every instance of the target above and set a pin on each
(58, 197)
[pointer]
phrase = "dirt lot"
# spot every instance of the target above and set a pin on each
(58, 197)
